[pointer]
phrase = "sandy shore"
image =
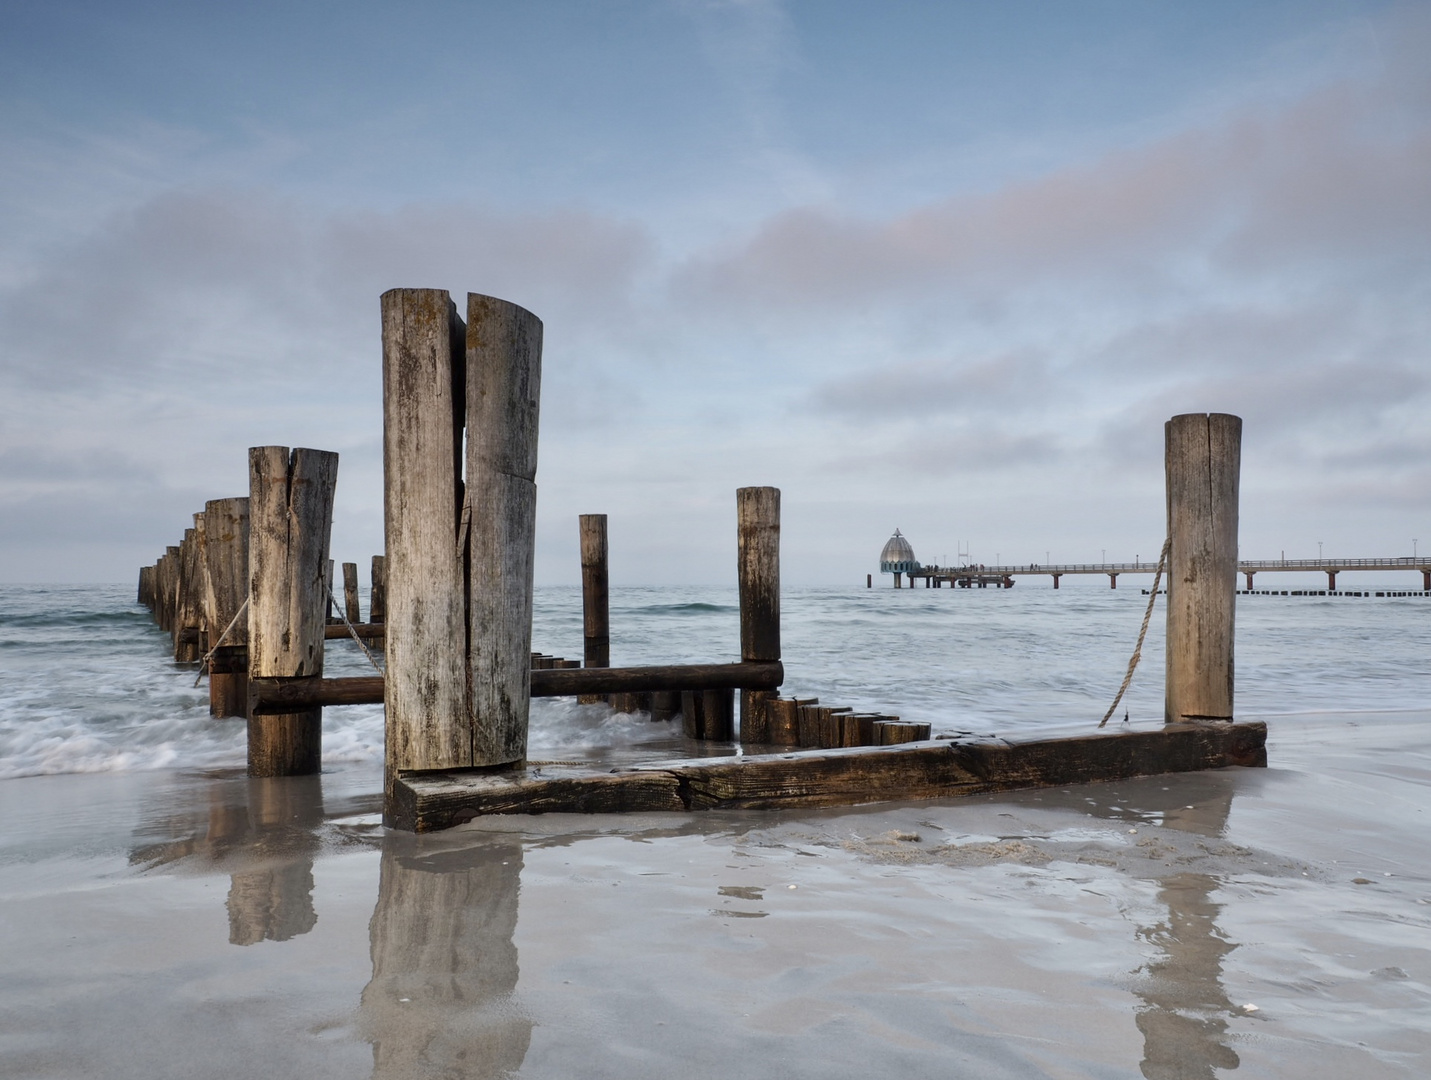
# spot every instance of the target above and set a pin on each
(1275, 922)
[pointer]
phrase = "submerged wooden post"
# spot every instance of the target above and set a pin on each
(595, 597)
(378, 598)
(504, 377)
(1203, 457)
(758, 572)
(350, 593)
(226, 558)
(290, 522)
(424, 410)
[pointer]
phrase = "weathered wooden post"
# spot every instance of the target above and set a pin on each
(1203, 457)
(504, 375)
(460, 556)
(378, 599)
(290, 522)
(188, 608)
(226, 557)
(758, 573)
(424, 410)
(350, 593)
(168, 586)
(595, 597)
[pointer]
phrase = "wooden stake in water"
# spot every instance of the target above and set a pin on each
(1203, 457)
(758, 574)
(290, 522)
(595, 596)
(504, 376)
(226, 559)
(424, 395)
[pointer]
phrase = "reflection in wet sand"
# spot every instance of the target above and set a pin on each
(270, 824)
(275, 902)
(444, 962)
(1184, 1018)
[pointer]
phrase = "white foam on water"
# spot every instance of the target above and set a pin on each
(87, 682)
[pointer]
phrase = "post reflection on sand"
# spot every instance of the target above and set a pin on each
(444, 962)
(1185, 1010)
(267, 829)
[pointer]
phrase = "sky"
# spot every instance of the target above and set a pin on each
(945, 266)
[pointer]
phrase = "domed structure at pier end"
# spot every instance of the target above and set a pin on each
(897, 556)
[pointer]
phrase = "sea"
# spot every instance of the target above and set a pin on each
(164, 915)
(88, 683)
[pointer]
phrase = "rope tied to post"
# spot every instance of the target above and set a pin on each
(1143, 631)
(208, 657)
(339, 609)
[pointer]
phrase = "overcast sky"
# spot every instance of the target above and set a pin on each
(945, 266)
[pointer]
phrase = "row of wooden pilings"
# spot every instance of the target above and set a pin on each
(248, 591)
(460, 419)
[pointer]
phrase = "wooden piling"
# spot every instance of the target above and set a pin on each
(424, 410)
(226, 561)
(1203, 458)
(378, 598)
(350, 593)
(758, 574)
(290, 521)
(595, 605)
(188, 606)
(504, 367)
(708, 714)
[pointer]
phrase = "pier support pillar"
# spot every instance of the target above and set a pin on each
(1203, 461)
(757, 512)
(896, 580)
(1055, 580)
(1426, 580)
(1331, 580)
(1248, 575)
(869, 581)
(1112, 581)
(290, 522)
(595, 597)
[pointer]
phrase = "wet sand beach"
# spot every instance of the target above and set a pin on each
(1269, 922)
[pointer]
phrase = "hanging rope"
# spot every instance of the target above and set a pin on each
(1142, 633)
(209, 656)
(339, 609)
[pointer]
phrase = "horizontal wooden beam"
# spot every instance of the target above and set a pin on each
(747, 675)
(927, 770)
(334, 631)
(287, 695)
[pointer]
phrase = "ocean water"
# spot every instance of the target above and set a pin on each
(87, 683)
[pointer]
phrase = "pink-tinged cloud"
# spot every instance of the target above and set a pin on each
(1342, 175)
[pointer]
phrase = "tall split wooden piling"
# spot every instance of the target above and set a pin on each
(595, 596)
(758, 574)
(459, 554)
(290, 522)
(226, 560)
(1203, 458)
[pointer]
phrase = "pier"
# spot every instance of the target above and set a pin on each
(1002, 577)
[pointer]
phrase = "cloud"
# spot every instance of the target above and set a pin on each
(1014, 380)
(1342, 175)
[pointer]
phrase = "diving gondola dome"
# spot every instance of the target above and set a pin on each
(897, 556)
